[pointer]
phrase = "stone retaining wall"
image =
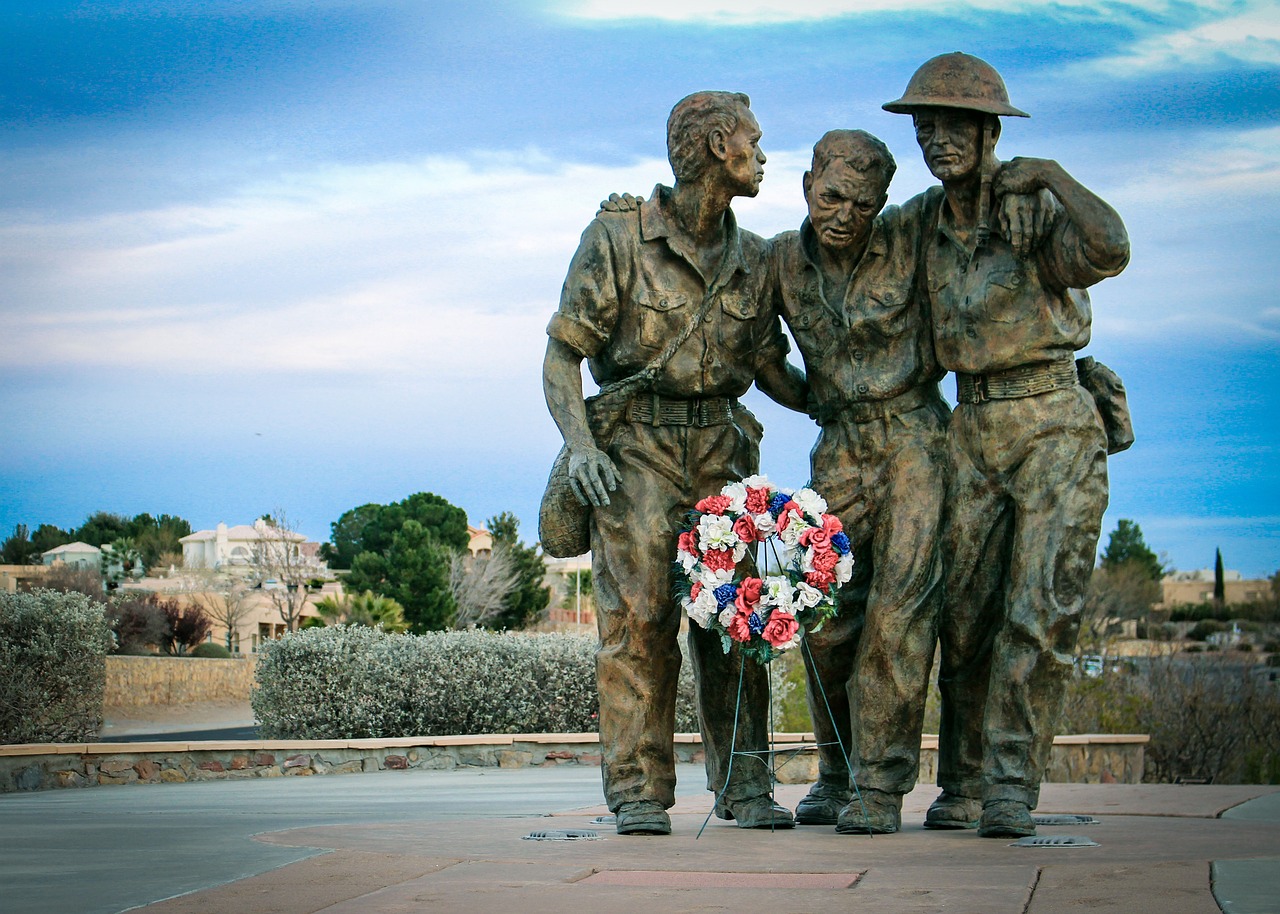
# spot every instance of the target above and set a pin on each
(1076, 759)
(133, 681)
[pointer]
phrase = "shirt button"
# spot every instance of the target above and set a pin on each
(859, 354)
(862, 388)
(971, 333)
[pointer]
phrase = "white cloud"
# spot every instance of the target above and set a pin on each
(1248, 37)
(755, 12)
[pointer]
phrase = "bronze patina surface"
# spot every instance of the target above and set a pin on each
(638, 280)
(1027, 478)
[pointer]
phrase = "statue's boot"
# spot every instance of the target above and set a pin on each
(756, 812)
(822, 805)
(642, 817)
(877, 813)
(951, 810)
(1006, 819)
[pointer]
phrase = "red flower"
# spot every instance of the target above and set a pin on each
(713, 504)
(718, 560)
(757, 500)
(831, 524)
(824, 560)
(784, 517)
(688, 542)
(780, 629)
(695, 590)
(815, 537)
(748, 597)
(738, 628)
(819, 579)
(745, 527)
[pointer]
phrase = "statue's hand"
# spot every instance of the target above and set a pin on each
(1022, 175)
(1025, 220)
(624, 204)
(592, 476)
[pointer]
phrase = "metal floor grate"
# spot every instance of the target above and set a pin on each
(1054, 841)
(1064, 820)
(565, 834)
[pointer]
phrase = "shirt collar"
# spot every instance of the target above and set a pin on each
(657, 221)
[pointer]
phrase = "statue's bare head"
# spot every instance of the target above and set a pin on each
(716, 130)
(847, 187)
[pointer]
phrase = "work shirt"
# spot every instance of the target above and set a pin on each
(634, 285)
(993, 310)
(875, 343)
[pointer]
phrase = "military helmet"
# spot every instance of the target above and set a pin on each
(956, 80)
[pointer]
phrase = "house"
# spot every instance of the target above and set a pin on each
(1183, 587)
(230, 547)
(75, 555)
(479, 541)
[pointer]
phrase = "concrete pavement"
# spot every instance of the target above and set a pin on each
(454, 841)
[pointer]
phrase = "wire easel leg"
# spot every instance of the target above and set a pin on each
(844, 753)
(733, 746)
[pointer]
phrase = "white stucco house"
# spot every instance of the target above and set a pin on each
(229, 547)
(74, 555)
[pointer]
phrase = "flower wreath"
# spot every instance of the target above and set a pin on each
(766, 599)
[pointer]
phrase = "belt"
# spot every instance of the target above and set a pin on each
(872, 410)
(651, 409)
(1015, 383)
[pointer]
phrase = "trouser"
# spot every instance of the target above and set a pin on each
(869, 666)
(663, 471)
(1027, 488)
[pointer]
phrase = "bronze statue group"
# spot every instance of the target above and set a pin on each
(973, 530)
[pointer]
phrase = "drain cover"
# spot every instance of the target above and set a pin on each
(567, 834)
(604, 820)
(1054, 841)
(1064, 820)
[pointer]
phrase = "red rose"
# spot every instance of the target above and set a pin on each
(784, 518)
(831, 524)
(825, 560)
(780, 629)
(713, 504)
(748, 597)
(815, 537)
(757, 500)
(745, 527)
(718, 560)
(688, 542)
(738, 628)
(819, 579)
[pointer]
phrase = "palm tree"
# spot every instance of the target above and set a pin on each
(368, 609)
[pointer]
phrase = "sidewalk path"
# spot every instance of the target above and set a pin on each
(453, 841)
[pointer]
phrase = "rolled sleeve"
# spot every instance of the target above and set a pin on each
(588, 309)
(1066, 257)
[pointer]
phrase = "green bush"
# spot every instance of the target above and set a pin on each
(52, 650)
(211, 649)
(350, 682)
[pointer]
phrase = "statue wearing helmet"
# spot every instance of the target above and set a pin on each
(1027, 474)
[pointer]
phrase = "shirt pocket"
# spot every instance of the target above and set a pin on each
(1006, 295)
(889, 310)
(656, 317)
(738, 328)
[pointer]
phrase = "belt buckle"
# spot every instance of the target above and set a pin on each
(981, 390)
(696, 415)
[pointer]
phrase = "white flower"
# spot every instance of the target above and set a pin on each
(737, 493)
(703, 609)
(807, 596)
(765, 523)
(813, 504)
(794, 642)
(715, 531)
(844, 568)
(757, 481)
(777, 592)
(687, 560)
(713, 579)
(795, 526)
(739, 552)
(727, 614)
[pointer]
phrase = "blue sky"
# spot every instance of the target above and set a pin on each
(301, 255)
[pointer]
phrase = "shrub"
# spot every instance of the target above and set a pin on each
(184, 628)
(211, 649)
(52, 647)
(138, 620)
(348, 682)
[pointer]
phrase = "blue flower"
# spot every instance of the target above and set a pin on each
(776, 503)
(840, 543)
(756, 623)
(725, 594)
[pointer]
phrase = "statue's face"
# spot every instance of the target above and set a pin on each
(744, 160)
(951, 140)
(843, 202)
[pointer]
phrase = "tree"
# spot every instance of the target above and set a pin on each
(66, 579)
(481, 586)
(18, 548)
(155, 537)
(414, 570)
(347, 535)
(280, 567)
(120, 559)
(47, 537)
(371, 528)
(368, 609)
(1127, 545)
(184, 628)
(1123, 591)
(224, 598)
(1219, 582)
(101, 528)
(138, 621)
(531, 594)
